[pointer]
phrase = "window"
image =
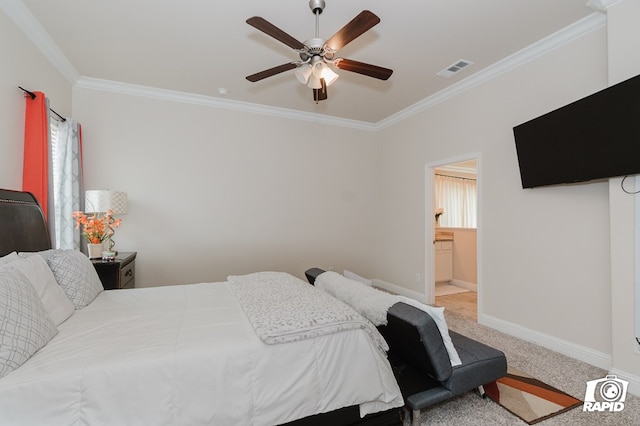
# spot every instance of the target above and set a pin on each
(52, 169)
(457, 197)
(66, 182)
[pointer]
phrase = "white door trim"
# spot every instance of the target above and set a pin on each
(429, 273)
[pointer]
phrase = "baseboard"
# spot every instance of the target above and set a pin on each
(634, 381)
(392, 288)
(465, 284)
(579, 352)
(596, 358)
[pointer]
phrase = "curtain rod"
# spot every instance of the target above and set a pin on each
(33, 96)
(455, 177)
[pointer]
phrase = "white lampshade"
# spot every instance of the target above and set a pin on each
(303, 72)
(322, 70)
(314, 82)
(103, 200)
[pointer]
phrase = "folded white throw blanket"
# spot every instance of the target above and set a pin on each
(282, 308)
(373, 304)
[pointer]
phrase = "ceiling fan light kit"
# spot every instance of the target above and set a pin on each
(303, 73)
(317, 56)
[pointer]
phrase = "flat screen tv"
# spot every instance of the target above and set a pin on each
(593, 138)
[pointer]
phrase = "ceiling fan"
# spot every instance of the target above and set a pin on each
(318, 55)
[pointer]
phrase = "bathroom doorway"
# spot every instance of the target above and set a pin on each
(453, 220)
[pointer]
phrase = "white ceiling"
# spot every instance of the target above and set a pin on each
(199, 46)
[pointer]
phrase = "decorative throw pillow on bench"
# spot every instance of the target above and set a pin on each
(373, 304)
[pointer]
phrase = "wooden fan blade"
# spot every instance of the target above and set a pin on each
(362, 68)
(271, 72)
(355, 28)
(320, 94)
(269, 29)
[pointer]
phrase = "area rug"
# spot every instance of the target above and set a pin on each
(529, 398)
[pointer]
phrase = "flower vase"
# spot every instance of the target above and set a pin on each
(95, 251)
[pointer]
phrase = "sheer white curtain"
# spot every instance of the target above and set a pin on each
(65, 183)
(458, 198)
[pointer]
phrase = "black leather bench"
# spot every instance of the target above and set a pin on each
(421, 363)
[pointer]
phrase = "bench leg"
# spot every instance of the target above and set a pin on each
(481, 391)
(415, 418)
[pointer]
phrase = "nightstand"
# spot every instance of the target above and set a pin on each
(117, 273)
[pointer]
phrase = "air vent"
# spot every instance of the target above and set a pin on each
(455, 68)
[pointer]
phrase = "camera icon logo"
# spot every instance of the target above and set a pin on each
(606, 394)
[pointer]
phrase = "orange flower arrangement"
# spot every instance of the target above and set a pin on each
(96, 229)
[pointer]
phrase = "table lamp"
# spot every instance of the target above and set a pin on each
(100, 201)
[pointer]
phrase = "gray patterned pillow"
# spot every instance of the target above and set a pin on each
(77, 276)
(45, 254)
(25, 326)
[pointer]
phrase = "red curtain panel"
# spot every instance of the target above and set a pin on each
(35, 171)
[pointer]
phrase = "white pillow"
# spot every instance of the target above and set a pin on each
(373, 304)
(437, 313)
(8, 258)
(55, 301)
(25, 326)
(356, 277)
(77, 276)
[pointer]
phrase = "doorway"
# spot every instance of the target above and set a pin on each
(452, 224)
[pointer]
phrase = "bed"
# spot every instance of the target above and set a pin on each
(186, 354)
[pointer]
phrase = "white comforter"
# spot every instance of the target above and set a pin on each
(186, 355)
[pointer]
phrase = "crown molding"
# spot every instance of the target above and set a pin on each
(24, 19)
(601, 5)
(574, 31)
(211, 101)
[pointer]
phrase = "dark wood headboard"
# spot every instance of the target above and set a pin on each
(22, 224)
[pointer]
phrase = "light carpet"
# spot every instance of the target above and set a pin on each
(560, 371)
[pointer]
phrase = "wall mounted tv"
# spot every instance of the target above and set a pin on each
(593, 138)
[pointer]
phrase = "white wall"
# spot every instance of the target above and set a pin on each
(22, 65)
(624, 63)
(214, 192)
(543, 252)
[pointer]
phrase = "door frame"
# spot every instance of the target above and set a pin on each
(429, 272)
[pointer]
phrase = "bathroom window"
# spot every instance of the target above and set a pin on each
(457, 197)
